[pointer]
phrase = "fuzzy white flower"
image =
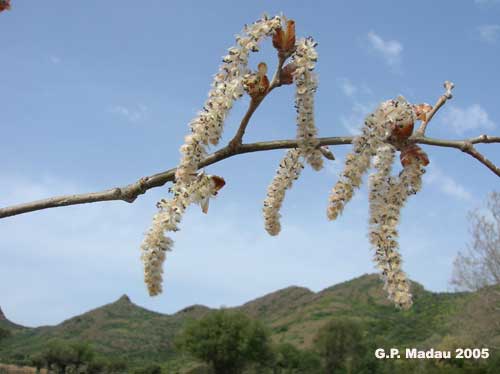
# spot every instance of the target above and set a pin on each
(387, 197)
(207, 126)
(384, 130)
(169, 215)
(357, 162)
(289, 170)
(304, 60)
(376, 130)
(386, 201)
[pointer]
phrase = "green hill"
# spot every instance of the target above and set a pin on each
(119, 328)
(294, 314)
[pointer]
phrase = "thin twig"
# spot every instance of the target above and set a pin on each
(275, 82)
(465, 146)
(237, 140)
(440, 102)
(130, 192)
(469, 149)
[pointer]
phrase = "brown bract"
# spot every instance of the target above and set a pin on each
(219, 182)
(284, 41)
(286, 74)
(257, 84)
(413, 153)
(4, 5)
(402, 131)
(421, 110)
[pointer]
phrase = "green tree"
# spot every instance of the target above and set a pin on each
(340, 345)
(150, 369)
(97, 366)
(81, 354)
(60, 355)
(290, 360)
(4, 333)
(57, 355)
(115, 365)
(227, 341)
(37, 361)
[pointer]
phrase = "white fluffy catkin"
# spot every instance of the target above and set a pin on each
(385, 206)
(169, 215)
(289, 170)
(306, 82)
(207, 126)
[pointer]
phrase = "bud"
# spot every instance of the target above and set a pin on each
(4, 5)
(218, 183)
(401, 131)
(284, 41)
(421, 111)
(413, 153)
(257, 84)
(286, 74)
(327, 153)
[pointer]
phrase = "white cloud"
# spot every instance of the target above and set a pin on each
(447, 184)
(390, 50)
(132, 114)
(361, 107)
(353, 121)
(348, 87)
(489, 33)
(462, 120)
(55, 60)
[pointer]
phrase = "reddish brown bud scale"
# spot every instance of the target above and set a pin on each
(284, 41)
(257, 84)
(421, 111)
(219, 182)
(413, 153)
(278, 39)
(289, 36)
(402, 131)
(263, 84)
(286, 74)
(4, 5)
(262, 69)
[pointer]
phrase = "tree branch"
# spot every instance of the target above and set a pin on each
(237, 140)
(130, 192)
(440, 102)
(466, 146)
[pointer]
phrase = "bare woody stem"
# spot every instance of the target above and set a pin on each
(237, 140)
(440, 102)
(238, 137)
(130, 192)
(466, 146)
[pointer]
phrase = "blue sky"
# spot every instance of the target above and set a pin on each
(97, 94)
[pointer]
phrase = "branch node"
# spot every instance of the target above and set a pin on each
(143, 185)
(466, 146)
(117, 192)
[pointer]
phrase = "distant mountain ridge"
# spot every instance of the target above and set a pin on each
(294, 314)
(5, 323)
